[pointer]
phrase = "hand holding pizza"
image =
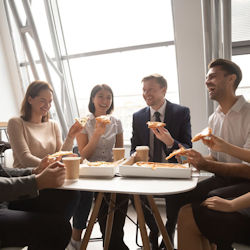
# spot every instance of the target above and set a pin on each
(163, 134)
(195, 158)
(216, 143)
(75, 129)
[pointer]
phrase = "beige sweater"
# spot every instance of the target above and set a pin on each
(31, 142)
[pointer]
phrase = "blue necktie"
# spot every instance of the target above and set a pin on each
(157, 156)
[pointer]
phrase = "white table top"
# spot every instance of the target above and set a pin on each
(144, 186)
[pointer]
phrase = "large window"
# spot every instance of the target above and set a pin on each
(112, 42)
(241, 42)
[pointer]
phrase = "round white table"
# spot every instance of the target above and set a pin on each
(136, 187)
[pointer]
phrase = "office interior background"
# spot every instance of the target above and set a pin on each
(77, 44)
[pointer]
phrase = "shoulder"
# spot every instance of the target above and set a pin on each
(141, 112)
(177, 108)
(15, 121)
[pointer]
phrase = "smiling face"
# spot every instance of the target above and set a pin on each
(153, 93)
(219, 83)
(40, 104)
(102, 102)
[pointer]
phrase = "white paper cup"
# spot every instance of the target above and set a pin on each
(72, 165)
(118, 153)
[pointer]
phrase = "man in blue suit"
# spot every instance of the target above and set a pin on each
(164, 140)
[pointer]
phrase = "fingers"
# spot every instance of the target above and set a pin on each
(56, 164)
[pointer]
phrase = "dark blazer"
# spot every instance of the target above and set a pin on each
(177, 119)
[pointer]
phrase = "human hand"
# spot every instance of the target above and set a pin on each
(163, 134)
(215, 143)
(100, 128)
(219, 204)
(51, 177)
(75, 129)
(195, 158)
(181, 158)
(45, 162)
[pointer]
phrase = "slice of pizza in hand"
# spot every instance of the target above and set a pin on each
(82, 120)
(103, 119)
(204, 133)
(156, 124)
(60, 154)
(176, 152)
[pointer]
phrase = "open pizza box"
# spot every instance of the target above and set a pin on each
(99, 169)
(130, 168)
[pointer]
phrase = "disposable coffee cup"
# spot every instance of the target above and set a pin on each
(142, 153)
(72, 165)
(118, 153)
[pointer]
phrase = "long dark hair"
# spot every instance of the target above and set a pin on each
(96, 89)
(33, 90)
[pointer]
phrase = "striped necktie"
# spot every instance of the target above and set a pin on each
(157, 156)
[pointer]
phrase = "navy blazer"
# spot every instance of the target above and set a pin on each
(177, 119)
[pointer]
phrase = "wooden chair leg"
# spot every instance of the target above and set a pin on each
(92, 220)
(159, 222)
(109, 223)
(141, 221)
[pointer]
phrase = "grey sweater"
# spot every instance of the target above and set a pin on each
(16, 184)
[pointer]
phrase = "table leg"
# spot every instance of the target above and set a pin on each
(141, 221)
(159, 222)
(92, 220)
(109, 222)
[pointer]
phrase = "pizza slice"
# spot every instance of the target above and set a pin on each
(99, 163)
(156, 124)
(60, 154)
(82, 120)
(204, 133)
(155, 165)
(103, 119)
(176, 152)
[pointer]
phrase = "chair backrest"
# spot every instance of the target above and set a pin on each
(8, 158)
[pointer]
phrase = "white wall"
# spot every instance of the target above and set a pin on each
(11, 95)
(190, 61)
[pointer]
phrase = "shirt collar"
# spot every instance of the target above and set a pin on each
(161, 110)
(237, 106)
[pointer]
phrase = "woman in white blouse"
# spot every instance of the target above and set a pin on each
(95, 143)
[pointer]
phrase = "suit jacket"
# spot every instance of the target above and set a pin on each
(177, 119)
(16, 184)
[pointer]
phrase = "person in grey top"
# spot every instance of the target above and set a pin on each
(30, 215)
(95, 143)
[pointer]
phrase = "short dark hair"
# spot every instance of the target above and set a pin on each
(94, 91)
(160, 80)
(32, 91)
(228, 66)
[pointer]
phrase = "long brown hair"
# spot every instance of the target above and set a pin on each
(33, 90)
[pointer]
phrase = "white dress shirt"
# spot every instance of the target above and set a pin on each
(233, 127)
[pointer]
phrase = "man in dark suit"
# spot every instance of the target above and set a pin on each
(161, 141)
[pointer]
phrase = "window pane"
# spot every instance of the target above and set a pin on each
(93, 25)
(244, 87)
(240, 20)
(123, 72)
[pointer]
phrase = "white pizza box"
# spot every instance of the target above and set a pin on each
(133, 170)
(103, 170)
